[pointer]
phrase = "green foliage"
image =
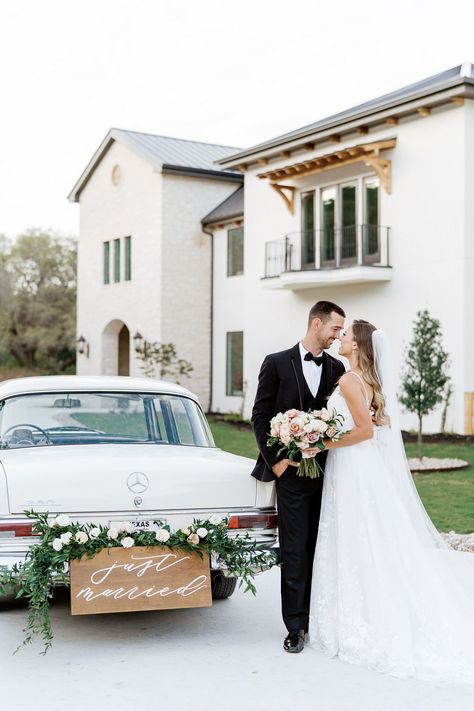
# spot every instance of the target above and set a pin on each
(38, 300)
(46, 566)
(161, 360)
(424, 376)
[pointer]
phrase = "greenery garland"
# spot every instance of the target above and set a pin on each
(61, 540)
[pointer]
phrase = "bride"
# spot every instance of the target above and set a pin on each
(388, 592)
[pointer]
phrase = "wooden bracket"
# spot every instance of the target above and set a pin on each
(383, 168)
(289, 200)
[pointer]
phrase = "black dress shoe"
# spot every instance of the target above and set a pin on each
(294, 641)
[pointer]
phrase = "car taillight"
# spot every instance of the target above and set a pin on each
(16, 530)
(263, 520)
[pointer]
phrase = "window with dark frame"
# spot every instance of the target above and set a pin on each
(106, 256)
(235, 363)
(235, 251)
(128, 258)
(116, 260)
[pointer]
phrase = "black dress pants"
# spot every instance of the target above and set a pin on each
(299, 506)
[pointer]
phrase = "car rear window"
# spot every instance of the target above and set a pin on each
(45, 419)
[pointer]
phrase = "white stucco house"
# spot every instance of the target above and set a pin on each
(371, 208)
(144, 262)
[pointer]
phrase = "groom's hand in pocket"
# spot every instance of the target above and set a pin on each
(280, 466)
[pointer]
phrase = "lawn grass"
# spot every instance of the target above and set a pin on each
(447, 496)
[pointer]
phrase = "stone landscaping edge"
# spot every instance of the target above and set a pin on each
(434, 464)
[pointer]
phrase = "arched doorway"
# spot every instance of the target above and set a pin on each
(116, 348)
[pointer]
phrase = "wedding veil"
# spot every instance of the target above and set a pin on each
(390, 443)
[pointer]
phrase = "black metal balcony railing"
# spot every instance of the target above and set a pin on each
(328, 248)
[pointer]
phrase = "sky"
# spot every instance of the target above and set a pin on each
(221, 71)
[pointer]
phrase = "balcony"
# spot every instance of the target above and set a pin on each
(355, 254)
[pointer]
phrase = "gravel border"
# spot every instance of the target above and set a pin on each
(433, 464)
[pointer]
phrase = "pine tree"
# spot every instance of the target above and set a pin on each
(424, 375)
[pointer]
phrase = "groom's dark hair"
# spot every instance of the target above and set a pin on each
(323, 310)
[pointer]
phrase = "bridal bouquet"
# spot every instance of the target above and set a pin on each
(299, 431)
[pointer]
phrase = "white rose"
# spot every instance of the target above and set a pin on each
(193, 538)
(126, 526)
(309, 427)
(66, 538)
(57, 544)
(112, 533)
(62, 520)
(322, 427)
(215, 519)
(186, 531)
(127, 542)
(162, 535)
(94, 532)
(81, 537)
(202, 532)
(325, 414)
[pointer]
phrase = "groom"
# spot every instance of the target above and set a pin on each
(302, 377)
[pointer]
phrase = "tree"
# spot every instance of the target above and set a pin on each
(424, 376)
(161, 359)
(38, 300)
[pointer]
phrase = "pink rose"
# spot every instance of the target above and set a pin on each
(295, 428)
(324, 415)
(331, 431)
(312, 437)
(293, 413)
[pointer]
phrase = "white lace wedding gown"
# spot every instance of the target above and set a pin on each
(387, 592)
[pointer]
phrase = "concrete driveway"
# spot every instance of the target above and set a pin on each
(228, 656)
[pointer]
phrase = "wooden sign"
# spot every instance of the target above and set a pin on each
(139, 578)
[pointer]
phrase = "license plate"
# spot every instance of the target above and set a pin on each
(143, 524)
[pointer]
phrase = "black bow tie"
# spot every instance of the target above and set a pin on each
(317, 359)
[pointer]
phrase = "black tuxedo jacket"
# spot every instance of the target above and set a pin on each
(282, 386)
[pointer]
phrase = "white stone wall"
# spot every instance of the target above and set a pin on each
(185, 280)
(107, 212)
(228, 316)
(426, 213)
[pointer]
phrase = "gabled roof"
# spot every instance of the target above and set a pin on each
(460, 77)
(231, 207)
(165, 154)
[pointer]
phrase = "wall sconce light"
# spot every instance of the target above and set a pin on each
(140, 343)
(82, 346)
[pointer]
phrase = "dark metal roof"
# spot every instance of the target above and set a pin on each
(175, 152)
(165, 154)
(457, 76)
(232, 206)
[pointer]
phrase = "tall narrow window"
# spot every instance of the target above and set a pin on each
(235, 363)
(235, 251)
(128, 258)
(106, 262)
(371, 227)
(116, 260)
(307, 225)
(328, 221)
(348, 226)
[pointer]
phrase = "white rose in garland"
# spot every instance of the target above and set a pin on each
(162, 535)
(193, 538)
(186, 531)
(62, 520)
(94, 532)
(112, 533)
(66, 538)
(81, 537)
(128, 542)
(202, 532)
(57, 544)
(215, 519)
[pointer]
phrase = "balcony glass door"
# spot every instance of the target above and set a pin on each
(328, 227)
(371, 237)
(348, 224)
(307, 235)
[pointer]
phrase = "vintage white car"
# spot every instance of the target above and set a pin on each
(106, 448)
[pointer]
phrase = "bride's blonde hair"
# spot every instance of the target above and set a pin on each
(363, 331)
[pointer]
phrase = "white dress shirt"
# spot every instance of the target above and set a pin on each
(311, 371)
